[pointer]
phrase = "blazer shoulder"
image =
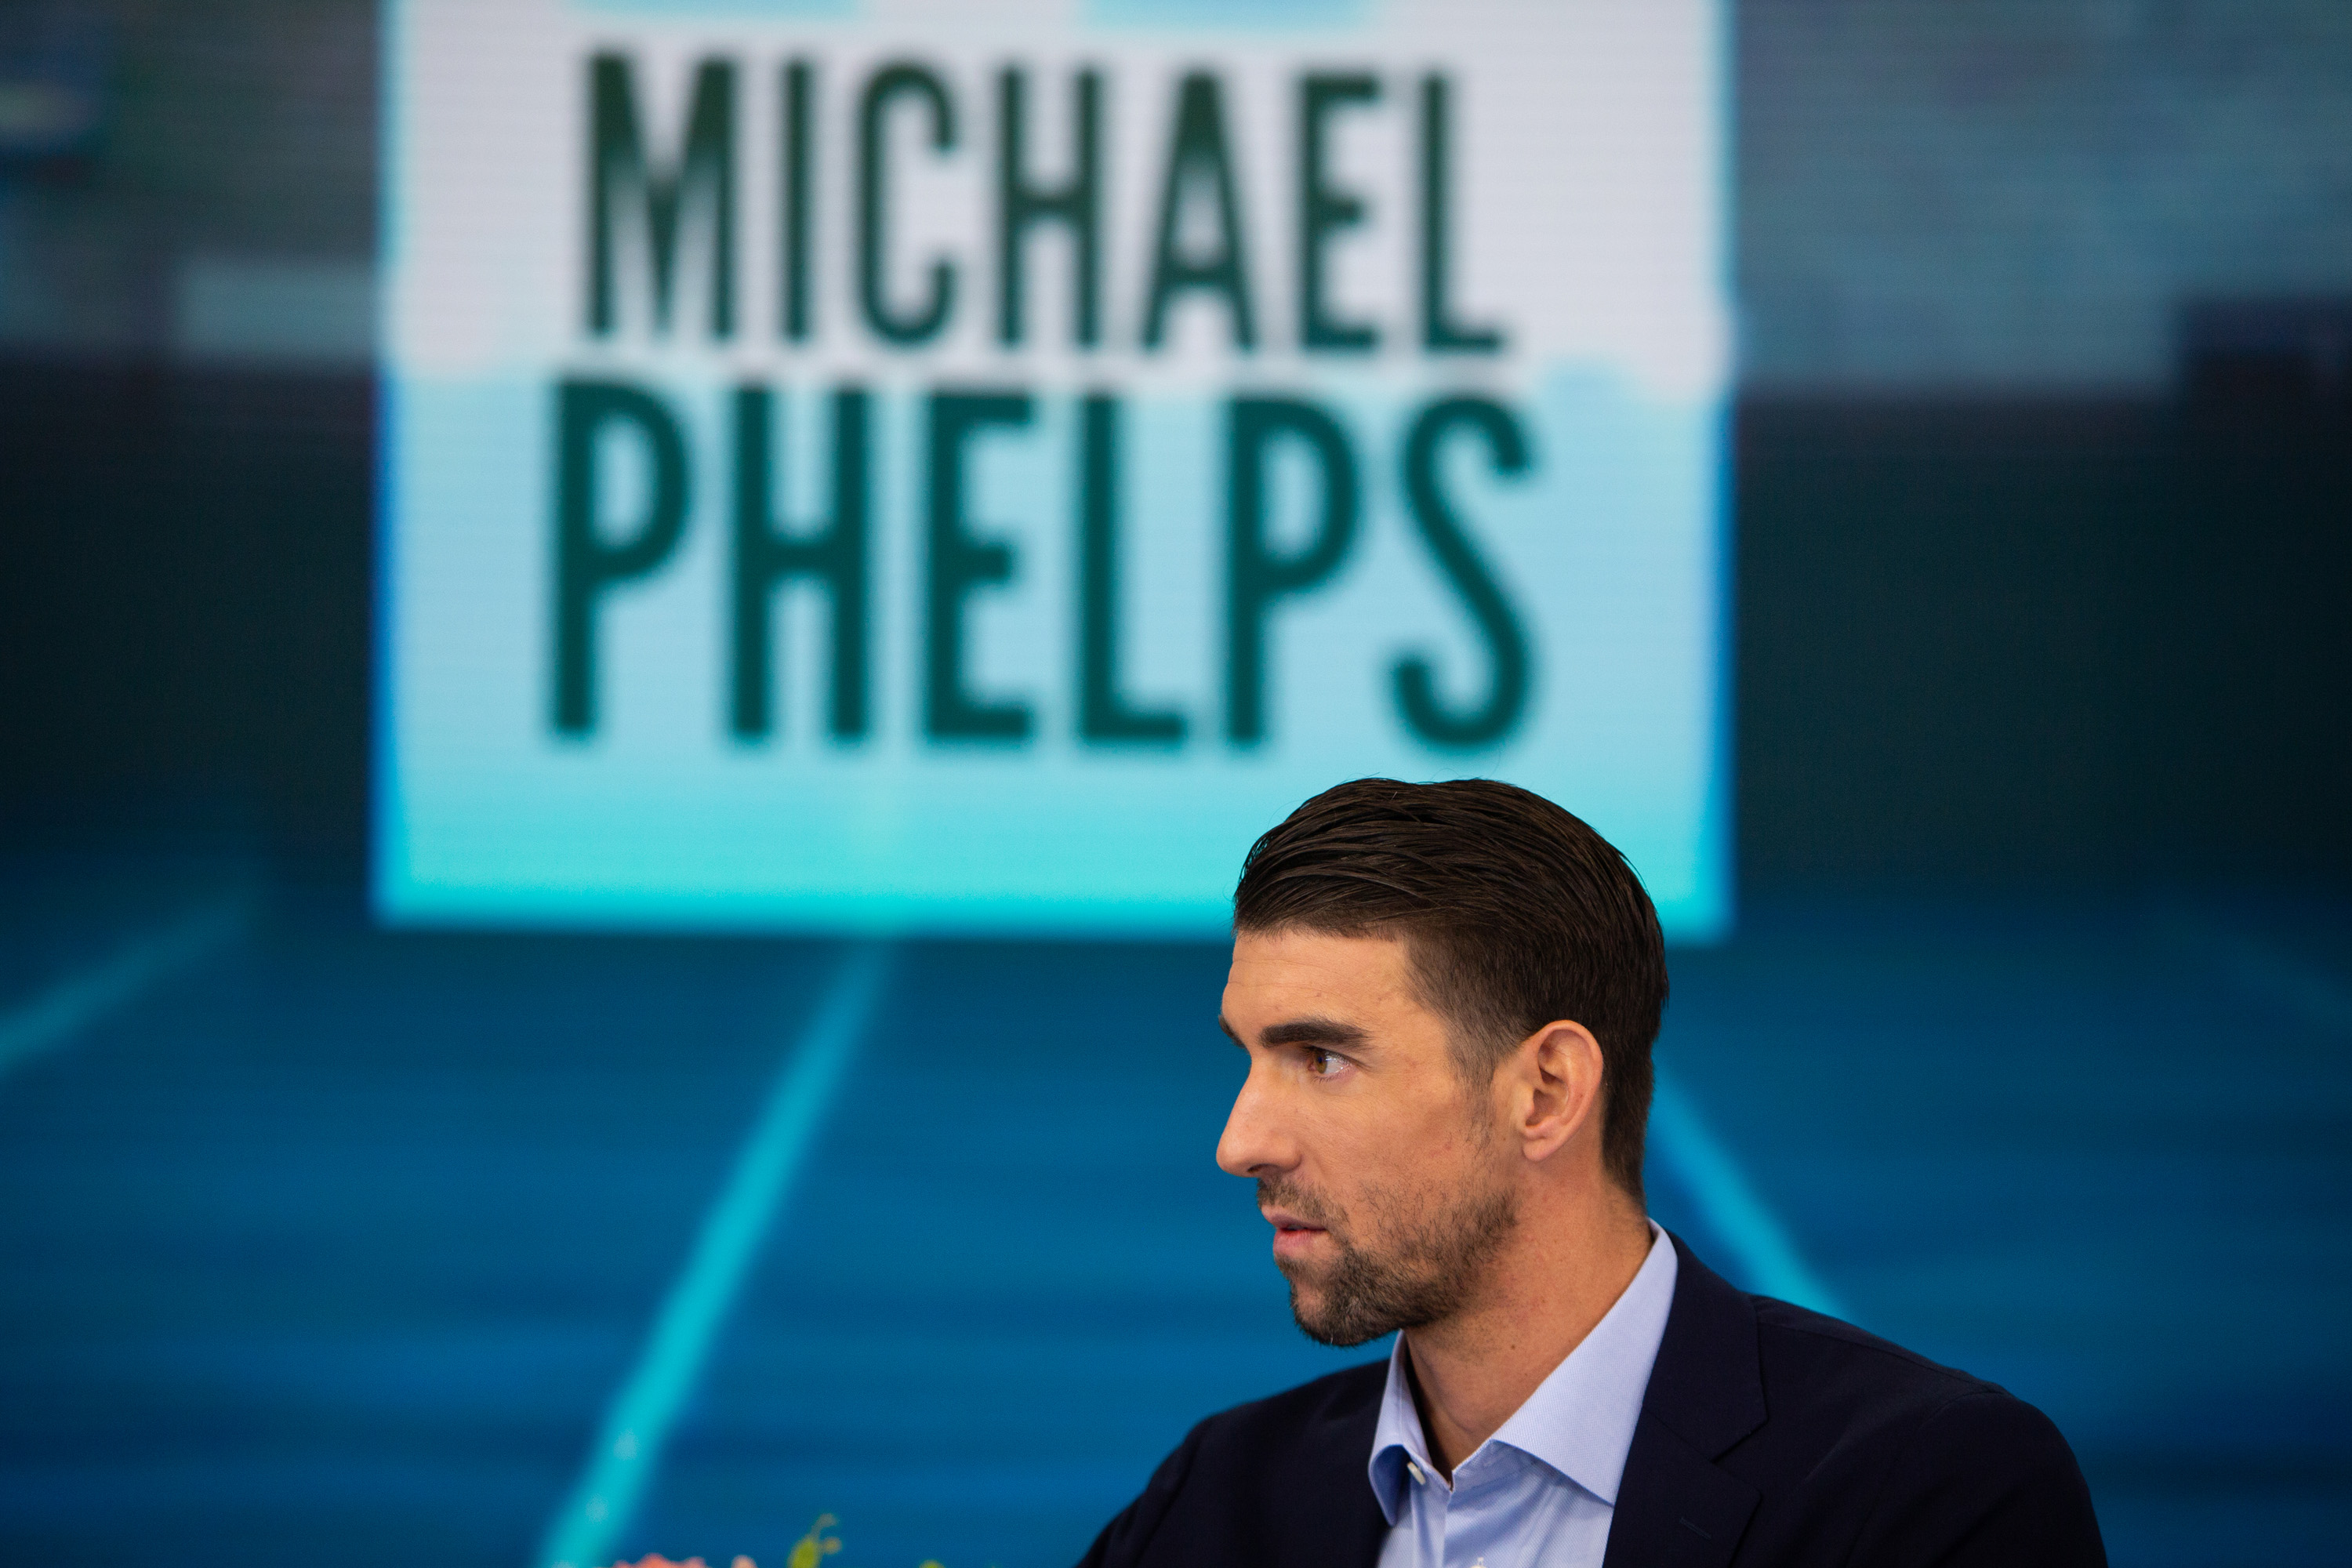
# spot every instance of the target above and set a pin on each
(1923, 1461)
(1985, 1479)
(1793, 1338)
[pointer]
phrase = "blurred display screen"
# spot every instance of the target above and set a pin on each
(959, 467)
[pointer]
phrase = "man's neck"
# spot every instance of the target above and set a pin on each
(1471, 1372)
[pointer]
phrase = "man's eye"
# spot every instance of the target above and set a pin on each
(1322, 1063)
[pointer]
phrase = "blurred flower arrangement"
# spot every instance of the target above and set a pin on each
(809, 1551)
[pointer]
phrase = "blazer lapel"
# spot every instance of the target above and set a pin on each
(1674, 1506)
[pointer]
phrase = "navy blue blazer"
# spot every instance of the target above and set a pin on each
(1768, 1436)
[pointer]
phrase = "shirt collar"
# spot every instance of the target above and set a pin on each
(1579, 1420)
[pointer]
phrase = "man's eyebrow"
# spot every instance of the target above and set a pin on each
(1314, 1032)
(1302, 1032)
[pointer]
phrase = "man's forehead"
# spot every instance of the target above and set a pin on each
(1318, 972)
(1292, 945)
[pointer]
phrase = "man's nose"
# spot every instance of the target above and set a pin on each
(1254, 1142)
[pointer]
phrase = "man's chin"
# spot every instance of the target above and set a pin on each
(1311, 1310)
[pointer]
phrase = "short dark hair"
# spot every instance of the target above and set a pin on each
(1514, 914)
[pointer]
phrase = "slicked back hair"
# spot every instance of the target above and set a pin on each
(1514, 914)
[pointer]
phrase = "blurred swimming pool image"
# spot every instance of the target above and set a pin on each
(390, 1239)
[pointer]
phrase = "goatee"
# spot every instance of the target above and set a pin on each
(1422, 1275)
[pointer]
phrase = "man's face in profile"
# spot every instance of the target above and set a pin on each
(1384, 1174)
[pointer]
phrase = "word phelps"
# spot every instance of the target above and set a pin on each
(650, 220)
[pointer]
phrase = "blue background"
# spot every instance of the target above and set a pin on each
(324, 1242)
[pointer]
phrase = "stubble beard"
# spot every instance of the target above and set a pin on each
(1426, 1269)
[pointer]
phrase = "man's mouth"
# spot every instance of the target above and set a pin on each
(1291, 1232)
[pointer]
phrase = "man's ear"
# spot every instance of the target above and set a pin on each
(1556, 1088)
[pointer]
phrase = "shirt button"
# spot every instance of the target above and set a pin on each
(1415, 1470)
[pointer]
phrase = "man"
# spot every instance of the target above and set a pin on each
(1448, 994)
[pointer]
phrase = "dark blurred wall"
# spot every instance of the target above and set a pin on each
(187, 420)
(2045, 483)
(185, 602)
(2037, 578)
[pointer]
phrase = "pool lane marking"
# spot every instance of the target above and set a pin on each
(1730, 1203)
(637, 1423)
(80, 1000)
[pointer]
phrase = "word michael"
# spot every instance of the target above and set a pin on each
(1199, 245)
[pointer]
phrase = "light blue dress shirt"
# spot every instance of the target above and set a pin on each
(1540, 1492)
